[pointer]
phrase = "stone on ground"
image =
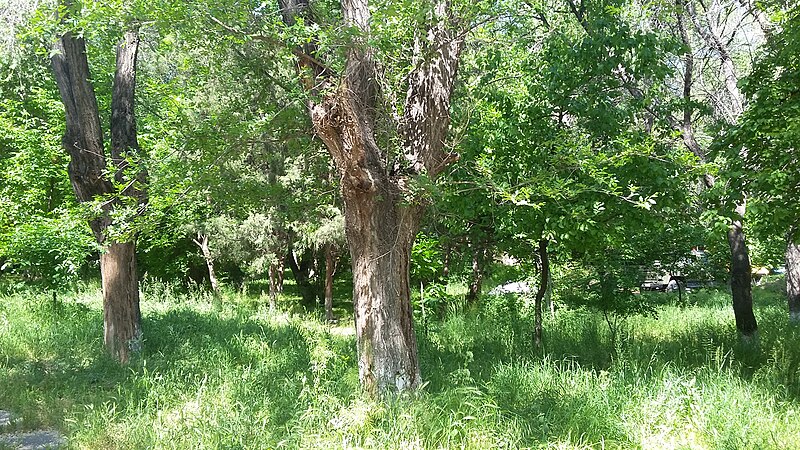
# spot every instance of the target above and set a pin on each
(5, 418)
(31, 440)
(34, 440)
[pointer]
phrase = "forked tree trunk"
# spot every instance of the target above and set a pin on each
(302, 267)
(83, 139)
(793, 279)
(741, 280)
(202, 242)
(381, 211)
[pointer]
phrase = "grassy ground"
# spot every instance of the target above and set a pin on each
(227, 373)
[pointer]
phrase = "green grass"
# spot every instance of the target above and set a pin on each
(226, 373)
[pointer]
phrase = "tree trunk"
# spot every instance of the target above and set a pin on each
(202, 242)
(212, 273)
(380, 233)
(549, 294)
(446, 261)
(793, 278)
(734, 105)
(280, 275)
(381, 211)
(273, 287)
(476, 282)
(83, 139)
(544, 283)
(122, 333)
(329, 269)
(741, 289)
(301, 270)
(741, 280)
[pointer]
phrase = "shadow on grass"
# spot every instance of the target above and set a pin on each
(469, 349)
(185, 352)
(269, 375)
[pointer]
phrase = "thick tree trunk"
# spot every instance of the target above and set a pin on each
(122, 333)
(330, 262)
(544, 283)
(83, 139)
(741, 281)
(381, 211)
(793, 278)
(380, 233)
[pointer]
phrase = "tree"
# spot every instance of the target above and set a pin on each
(382, 213)
(544, 284)
(83, 140)
(729, 107)
(711, 34)
(768, 138)
(572, 158)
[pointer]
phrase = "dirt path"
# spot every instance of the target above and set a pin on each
(30, 440)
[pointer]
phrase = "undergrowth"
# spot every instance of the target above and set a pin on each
(225, 372)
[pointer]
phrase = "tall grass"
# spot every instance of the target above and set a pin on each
(224, 372)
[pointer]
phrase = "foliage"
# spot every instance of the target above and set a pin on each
(426, 259)
(43, 235)
(769, 132)
(561, 122)
(49, 250)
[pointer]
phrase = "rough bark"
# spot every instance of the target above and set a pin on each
(122, 334)
(83, 140)
(380, 236)
(741, 279)
(544, 283)
(83, 137)
(124, 143)
(381, 213)
(793, 278)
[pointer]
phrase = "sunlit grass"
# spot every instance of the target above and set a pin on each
(226, 372)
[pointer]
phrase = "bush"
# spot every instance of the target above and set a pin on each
(49, 250)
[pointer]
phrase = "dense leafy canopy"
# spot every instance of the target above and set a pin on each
(573, 122)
